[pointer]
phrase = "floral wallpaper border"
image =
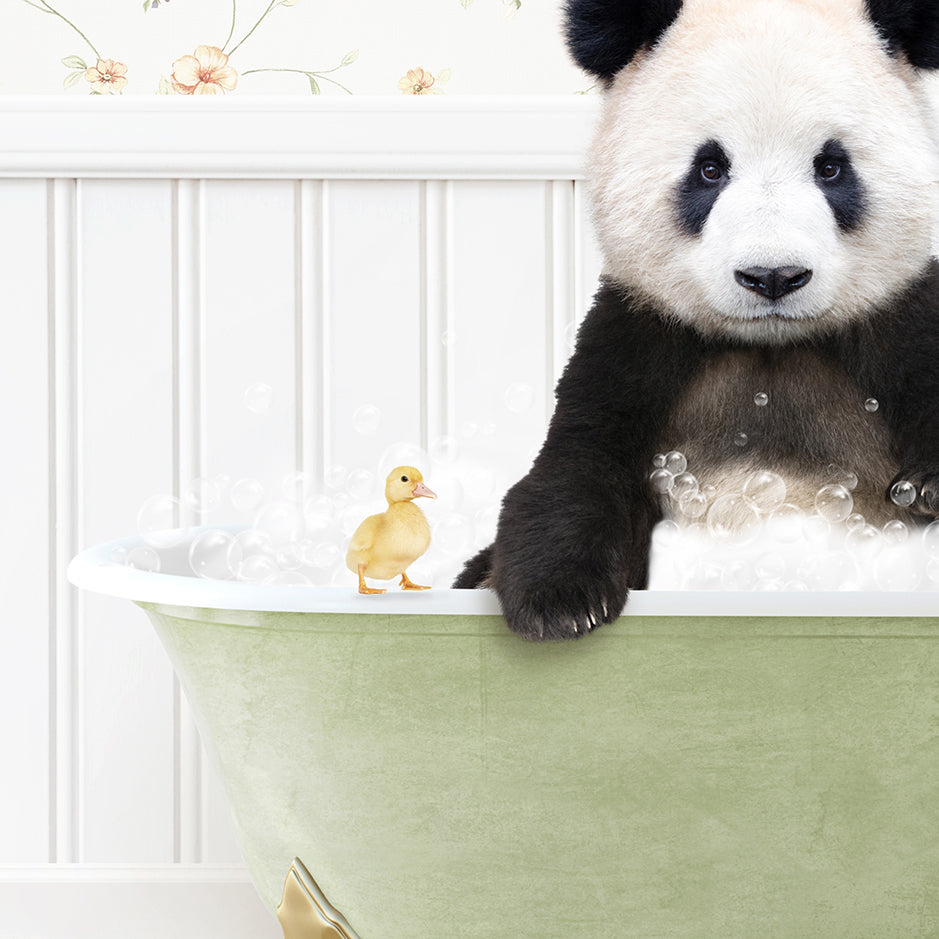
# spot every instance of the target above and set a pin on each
(218, 66)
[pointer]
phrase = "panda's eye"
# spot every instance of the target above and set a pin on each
(829, 170)
(711, 172)
(404, 479)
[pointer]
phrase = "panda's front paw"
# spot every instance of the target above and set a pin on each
(925, 481)
(566, 608)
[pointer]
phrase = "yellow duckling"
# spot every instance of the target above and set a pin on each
(385, 545)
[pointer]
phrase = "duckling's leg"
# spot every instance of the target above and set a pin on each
(363, 587)
(407, 584)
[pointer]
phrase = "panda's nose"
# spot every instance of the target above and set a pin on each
(773, 283)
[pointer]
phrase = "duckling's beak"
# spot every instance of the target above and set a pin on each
(421, 490)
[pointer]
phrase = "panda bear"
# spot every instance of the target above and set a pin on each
(763, 186)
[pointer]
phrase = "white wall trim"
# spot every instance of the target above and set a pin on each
(286, 138)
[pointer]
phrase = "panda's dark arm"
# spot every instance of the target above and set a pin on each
(894, 357)
(574, 534)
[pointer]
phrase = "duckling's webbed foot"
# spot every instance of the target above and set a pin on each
(407, 584)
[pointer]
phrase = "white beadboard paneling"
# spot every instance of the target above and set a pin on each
(66, 508)
(127, 447)
(249, 333)
(414, 137)
(499, 350)
(374, 319)
(585, 260)
(98, 902)
(26, 566)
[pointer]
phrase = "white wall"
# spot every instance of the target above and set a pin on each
(154, 266)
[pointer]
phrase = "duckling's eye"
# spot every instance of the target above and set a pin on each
(404, 479)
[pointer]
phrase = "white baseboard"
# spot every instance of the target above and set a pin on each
(154, 902)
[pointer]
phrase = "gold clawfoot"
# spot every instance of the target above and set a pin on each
(304, 912)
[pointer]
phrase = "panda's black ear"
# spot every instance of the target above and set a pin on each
(910, 27)
(603, 35)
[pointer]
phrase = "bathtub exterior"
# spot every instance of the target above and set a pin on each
(666, 776)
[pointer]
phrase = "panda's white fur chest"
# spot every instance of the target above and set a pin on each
(788, 411)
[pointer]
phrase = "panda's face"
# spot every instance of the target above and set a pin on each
(766, 172)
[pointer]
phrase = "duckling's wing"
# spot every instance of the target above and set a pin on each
(363, 539)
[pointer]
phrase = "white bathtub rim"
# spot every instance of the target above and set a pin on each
(94, 570)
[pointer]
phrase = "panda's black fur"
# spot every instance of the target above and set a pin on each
(574, 535)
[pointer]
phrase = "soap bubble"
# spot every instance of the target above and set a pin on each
(281, 520)
(676, 462)
(294, 485)
(318, 513)
(658, 461)
(454, 535)
(336, 476)
(834, 503)
(486, 522)
(932, 570)
(158, 521)
(770, 566)
(366, 420)
(208, 554)
(737, 574)
(258, 396)
(350, 518)
(401, 454)
(360, 484)
(325, 555)
(246, 495)
(444, 449)
(931, 539)
(519, 397)
(855, 520)
(693, 504)
(895, 532)
(257, 569)
(834, 570)
(570, 336)
(816, 528)
(684, 484)
(733, 518)
(903, 493)
(291, 579)
(202, 495)
(871, 405)
(894, 570)
(795, 586)
(246, 544)
(118, 555)
(785, 523)
(143, 559)
(662, 480)
(864, 541)
(665, 533)
(761, 399)
(766, 490)
(289, 557)
(741, 439)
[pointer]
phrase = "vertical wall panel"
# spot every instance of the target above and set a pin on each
(374, 319)
(250, 333)
(500, 350)
(126, 356)
(25, 561)
(585, 258)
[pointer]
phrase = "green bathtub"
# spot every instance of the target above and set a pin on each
(710, 765)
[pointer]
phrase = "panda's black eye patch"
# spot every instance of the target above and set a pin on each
(703, 183)
(840, 184)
